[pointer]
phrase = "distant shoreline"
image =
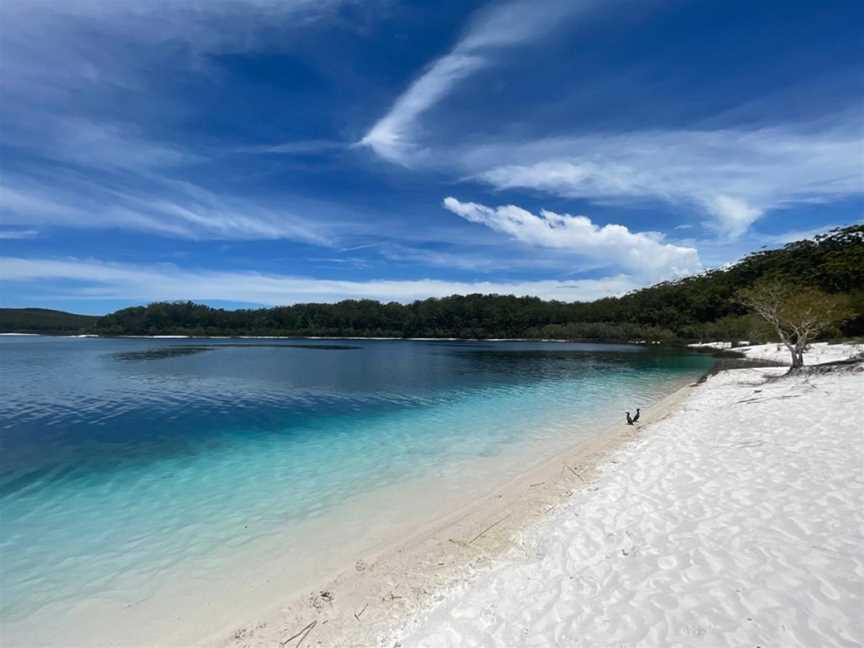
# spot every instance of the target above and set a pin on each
(314, 337)
(353, 337)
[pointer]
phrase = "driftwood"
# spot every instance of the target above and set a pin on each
(490, 527)
(357, 615)
(576, 472)
(304, 632)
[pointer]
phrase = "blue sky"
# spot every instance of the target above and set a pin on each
(246, 152)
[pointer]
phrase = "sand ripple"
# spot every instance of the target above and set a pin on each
(736, 522)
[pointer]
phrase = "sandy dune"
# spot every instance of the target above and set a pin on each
(738, 521)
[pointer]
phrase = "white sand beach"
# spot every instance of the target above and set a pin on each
(735, 518)
(818, 353)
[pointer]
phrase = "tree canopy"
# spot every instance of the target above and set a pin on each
(43, 320)
(796, 314)
(705, 306)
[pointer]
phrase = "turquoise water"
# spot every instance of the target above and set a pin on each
(123, 461)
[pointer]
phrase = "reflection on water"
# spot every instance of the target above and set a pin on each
(162, 353)
(116, 470)
(188, 349)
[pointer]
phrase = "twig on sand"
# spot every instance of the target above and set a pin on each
(304, 632)
(762, 400)
(490, 527)
(537, 484)
(576, 472)
(357, 615)
(303, 638)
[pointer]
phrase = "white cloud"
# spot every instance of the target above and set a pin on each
(732, 176)
(734, 216)
(110, 145)
(391, 136)
(17, 234)
(85, 100)
(164, 207)
(728, 177)
(62, 34)
(97, 280)
(299, 147)
(488, 258)
(499, 26)
(644, 254)
(85, 80)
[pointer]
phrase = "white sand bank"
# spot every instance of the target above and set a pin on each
(817, 353)
(737, 521)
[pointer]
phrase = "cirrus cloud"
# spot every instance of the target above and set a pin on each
(92, 279)
(733, 176)
(504, 25)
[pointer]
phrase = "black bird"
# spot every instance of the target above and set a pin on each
(636, 418)
(630, 420)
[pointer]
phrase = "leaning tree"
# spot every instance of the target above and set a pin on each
(796, 313)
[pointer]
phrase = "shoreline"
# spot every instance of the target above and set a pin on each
(711, 528)
(388, 581)
(174, 614)
(359, 338)
(410, 565)
(389, 590)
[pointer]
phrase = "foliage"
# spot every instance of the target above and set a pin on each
(702, 307)
(797, 314)
(42, 320)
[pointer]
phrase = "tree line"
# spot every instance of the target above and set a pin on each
(44, 320)
(707, 306)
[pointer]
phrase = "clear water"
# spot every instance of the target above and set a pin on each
(124, 462)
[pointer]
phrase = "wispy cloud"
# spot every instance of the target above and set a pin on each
(91, 136)
(299, 147)
(499, 26)
(726, 177)
(732, 176)
(391, 136)
(166, 207)
(106, 145)
(17, 234)
(97, 280)
(801, 234)
(644, 254)
(484, 259)
(97, 41)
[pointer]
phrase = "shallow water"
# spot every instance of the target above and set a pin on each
(124, 462)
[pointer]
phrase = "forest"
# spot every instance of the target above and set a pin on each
(44, 321)
(701, 307)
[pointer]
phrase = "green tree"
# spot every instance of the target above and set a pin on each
(797, 314)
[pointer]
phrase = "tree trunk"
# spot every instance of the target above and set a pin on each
(797, 351)
(797, 356)
(797, 359)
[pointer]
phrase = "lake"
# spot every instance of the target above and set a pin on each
(149, 479)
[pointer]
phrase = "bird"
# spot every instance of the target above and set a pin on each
(636, 418)
(630, 420)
